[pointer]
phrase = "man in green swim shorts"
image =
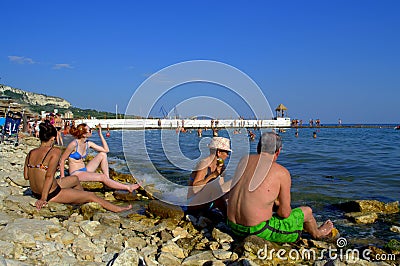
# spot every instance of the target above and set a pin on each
(262, 186)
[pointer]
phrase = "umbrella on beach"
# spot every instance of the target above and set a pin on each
(281, 108)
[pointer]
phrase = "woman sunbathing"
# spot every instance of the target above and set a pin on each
(77, 151)
(40, 167)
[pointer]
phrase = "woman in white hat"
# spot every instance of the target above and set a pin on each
(210, 168)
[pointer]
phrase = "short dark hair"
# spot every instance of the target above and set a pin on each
(269, 142)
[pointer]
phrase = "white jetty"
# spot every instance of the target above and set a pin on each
(279, 122)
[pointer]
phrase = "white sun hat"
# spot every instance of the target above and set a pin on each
(220, 143)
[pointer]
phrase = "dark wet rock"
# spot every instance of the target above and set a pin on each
(245, 262)
(366, 211)
(121, 177)
(125, 195)
(165, 210)
(367, 206)
(203, 222)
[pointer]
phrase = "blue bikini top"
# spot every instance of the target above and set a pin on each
(76, 155)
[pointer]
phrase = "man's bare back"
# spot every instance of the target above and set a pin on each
(253, 207)
(258, 184)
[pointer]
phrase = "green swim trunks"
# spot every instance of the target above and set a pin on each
(276, 229)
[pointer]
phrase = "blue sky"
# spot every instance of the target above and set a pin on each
(322, 59)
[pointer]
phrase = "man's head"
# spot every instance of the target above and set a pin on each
(270, 142)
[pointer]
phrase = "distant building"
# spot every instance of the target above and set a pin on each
(68, 115)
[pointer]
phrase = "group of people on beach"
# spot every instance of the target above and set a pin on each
(256, 200)
(62, 126)
(41, 165)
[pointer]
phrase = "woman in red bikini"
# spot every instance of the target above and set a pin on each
(40, 167)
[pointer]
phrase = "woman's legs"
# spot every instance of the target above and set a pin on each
(87, 176)
(70, 182)
(74, 196)
(99, 160)
(59, 138)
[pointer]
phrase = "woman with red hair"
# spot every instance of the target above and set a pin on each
(40, 167)
(77, 151)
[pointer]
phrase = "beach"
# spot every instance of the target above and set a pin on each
(156, 233)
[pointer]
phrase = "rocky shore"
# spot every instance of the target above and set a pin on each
(61, 234)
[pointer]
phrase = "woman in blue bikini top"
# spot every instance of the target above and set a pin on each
(77, 151)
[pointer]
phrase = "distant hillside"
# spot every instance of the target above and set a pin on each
(36, 103)
(31, 98)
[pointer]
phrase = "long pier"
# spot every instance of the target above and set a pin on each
(222, 123)
(280, 122)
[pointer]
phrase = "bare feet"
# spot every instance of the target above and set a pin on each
(132, 187)
(325, 229)
(121, 208)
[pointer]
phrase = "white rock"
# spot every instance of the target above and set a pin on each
(128, 256)
(174, 249)
(89, 227)
(395, 229)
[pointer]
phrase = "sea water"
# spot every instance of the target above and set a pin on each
(339, 165)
